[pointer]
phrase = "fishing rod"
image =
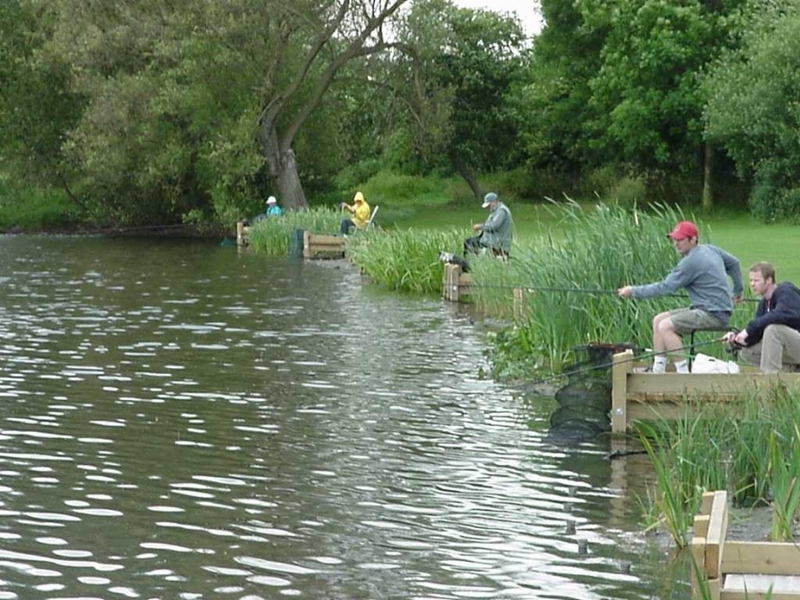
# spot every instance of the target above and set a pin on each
(598, 291)
(635, 358)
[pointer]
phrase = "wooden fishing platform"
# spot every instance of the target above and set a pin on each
(314, 245)
(322, 246)
(736, 570)
(649, 396)
(242, 234)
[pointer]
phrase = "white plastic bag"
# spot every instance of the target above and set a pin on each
(708, 364)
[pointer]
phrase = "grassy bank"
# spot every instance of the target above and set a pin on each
(24, 209)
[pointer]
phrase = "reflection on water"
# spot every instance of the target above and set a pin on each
(181, 421)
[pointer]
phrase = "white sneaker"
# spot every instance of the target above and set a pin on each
(648, 369)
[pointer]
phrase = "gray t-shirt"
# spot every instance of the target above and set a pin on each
(703, 274)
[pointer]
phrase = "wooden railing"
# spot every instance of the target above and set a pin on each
(738, 570)
(643, 396)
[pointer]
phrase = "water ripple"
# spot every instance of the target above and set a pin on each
(180, 420)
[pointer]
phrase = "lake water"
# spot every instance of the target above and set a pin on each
(180, 420)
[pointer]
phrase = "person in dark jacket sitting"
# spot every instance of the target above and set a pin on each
(772, 338)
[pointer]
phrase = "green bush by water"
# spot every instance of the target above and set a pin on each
(25, 208)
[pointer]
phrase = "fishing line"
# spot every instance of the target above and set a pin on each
(534, 290)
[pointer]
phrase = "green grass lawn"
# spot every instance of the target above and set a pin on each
(751, 241)
(739, 234)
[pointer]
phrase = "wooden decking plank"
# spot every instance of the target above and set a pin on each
(766, 558)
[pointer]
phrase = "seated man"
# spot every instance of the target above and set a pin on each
(772, 338)
(703, 272)
(496, 233)
(360, 211)
(273, 210)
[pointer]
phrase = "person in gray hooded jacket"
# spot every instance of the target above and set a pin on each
(496, 232)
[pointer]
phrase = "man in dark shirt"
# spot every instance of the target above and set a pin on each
(772, 338)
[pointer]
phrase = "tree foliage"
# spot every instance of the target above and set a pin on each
(566, 56)
(152, 111)
(456, 80)
(37, 106)
(647, 91)
(187, 107)
(753, 109)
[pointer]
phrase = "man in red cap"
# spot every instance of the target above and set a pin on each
(703, 272)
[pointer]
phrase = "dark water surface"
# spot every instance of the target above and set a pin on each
(178, 420)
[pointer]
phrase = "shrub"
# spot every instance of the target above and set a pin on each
(600, 181)
(394, 188)
(352, 177)
(628, 191)
(770, 204)
(28, 208)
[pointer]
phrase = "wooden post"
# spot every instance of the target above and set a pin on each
(717, 529)
(622, 365)
(240, 239)
(306, 244)
(519, 303)
(452, 273)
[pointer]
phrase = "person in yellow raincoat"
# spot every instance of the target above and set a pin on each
(359, 211)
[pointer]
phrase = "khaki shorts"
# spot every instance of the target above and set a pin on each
(687, 319)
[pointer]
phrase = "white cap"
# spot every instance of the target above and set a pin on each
(272, 200)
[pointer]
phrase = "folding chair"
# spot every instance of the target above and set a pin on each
(372, 217)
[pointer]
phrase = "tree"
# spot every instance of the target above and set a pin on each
(456, 78)
(37, 108)
(188, 105)
(343, 31)
(647, 92)
(558, 113)
(752, 109)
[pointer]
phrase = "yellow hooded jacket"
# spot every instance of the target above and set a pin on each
(361, 211)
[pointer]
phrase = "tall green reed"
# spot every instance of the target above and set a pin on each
(749, 445)
(576, 269)
(404, 260)
(271, 236)
(785, 484)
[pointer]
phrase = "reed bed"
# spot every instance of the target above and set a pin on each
(750, 447)
(571, 280)
(272, 236)
(404, 260)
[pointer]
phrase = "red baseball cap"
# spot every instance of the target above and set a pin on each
(683, 230)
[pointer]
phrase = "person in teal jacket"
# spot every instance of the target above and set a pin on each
(273, 210)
